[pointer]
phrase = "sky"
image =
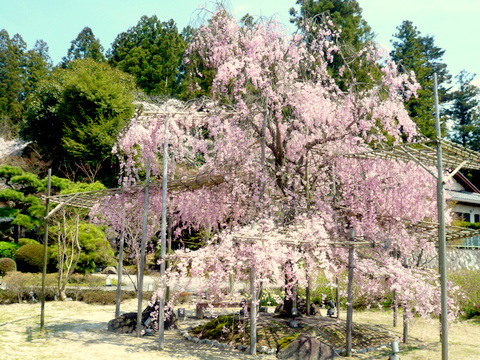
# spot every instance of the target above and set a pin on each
(455, 25)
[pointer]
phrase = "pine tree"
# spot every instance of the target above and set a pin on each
(37, 65)
(417, 53)
(11, 78)
(345, 15)
(20, 72)
(86, 45)
(152, 52)
(354, 34)
(464, 112)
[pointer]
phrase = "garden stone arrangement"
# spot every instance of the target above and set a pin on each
(315, 337)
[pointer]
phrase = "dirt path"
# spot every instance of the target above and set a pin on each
(75, 330)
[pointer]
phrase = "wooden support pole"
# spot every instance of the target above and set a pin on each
(442, 244)
(45, 251)
(231, 284)
(395, 308)
(405, 325)
(118, 298)
(308, 296)
(337, 298)
(141, 269)
(253, 312)
(349, 324)
(163, 247)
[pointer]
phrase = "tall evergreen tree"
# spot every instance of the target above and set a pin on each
(355, 33)
(152, 52)
(86, 45)
(11, 78)
(417, 53)
(37, 65)
(20, 71)
(464, 112)
(345, 14)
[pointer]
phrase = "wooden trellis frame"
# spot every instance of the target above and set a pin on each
(423, 153)
(89, 199)
(437, 153)
(350, 244)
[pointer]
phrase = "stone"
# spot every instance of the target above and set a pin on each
(263, 349)
(242, 347)
(294, 324)
(127, 323)
(306, 348)
(181, 314)
(124, 324)
(282, 309)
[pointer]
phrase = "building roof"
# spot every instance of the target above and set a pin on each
(464, 197)
(467, 184)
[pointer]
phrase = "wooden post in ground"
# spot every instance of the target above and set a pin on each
(163, 247)
(253, 313)
(45, 251)
(395, 308)
(141, 269)
(337, 297)
(118, 298)
(349, 324)
(405, 325)
(308, 296)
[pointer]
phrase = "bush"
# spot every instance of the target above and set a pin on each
(8, 249)
(27, 241)
(104, 297)
(7, 297)
(30, 258)
(87, 280)
(96, 249)
(21, 284)
(469, 299)
(6, 265)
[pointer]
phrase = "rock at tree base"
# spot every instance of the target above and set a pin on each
(285, 309)
(127, 323)
(123, 324)
(306, 348)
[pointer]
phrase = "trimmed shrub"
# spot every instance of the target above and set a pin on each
(6, 265)
(30, 258)
(27, 241)
(8, 249)
(104, 297)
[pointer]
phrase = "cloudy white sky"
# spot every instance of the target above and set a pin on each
(454, 24)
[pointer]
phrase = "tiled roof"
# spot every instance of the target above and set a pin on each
(464, 197)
